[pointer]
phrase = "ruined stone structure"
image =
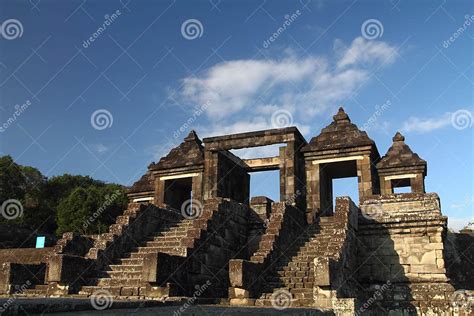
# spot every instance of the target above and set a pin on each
(191, 221)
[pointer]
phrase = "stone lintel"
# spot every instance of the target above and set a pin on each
(254, 139)
(402, 170)
(338, 153)
(138, 195)
(400, 176)
(143, 199)
(261, 164)
(329, 160)
(180, 176)
(180, 170)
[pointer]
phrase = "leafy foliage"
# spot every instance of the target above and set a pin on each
(63, 203)
(90, 210)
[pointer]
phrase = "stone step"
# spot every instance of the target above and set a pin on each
(180, 242)
(142, 251)
(113, 290)
(141, 255)
(122, 274)
(129, 261)
(34, 291)
(295, 269)
(163, 243)
(126, 268)
(300, 264)
(117, 282)
(293, 302)
(289, 279)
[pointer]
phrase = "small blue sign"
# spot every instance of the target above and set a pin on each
(40, 240)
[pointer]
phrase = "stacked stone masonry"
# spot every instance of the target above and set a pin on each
(191, 224)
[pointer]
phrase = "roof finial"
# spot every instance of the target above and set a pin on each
(398, 137)
(341, 115)
(191, 136)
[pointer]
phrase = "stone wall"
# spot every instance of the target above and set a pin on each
(401, 249)
(233, 180)
(25, 255)
(259, 214)
(22, 266)
(224, 239)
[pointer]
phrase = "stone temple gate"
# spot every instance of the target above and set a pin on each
(386, 253)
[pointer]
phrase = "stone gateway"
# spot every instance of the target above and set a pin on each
(191, 230)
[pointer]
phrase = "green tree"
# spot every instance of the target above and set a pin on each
(27, 185)
(60, 187)
(90, 210)
(62, 203)
(12, 181)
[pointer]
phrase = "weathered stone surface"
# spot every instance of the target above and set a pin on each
(391, 255)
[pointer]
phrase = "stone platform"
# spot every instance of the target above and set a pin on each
(83, 306)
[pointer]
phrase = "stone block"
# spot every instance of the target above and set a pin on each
(321, 272)
(235, 292)
(424, 268)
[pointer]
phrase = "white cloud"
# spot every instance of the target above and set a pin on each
(367, 52)
(242, 95)
(424, 125)
(230, 87)
(100, 148)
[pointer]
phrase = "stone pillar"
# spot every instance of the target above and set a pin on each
(312, 190)
(385, 186)
(290, 190)
(282, 168)
(159, 192)
(197, 187)
(417, 184)
(262, 206)
(210, 174)
(364, 174)
(325, 192)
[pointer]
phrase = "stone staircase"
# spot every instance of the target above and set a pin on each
(272, 232)
(138, 220)
(123, 276)
(294, 272)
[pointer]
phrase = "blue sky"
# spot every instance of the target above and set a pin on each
(151, 77)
